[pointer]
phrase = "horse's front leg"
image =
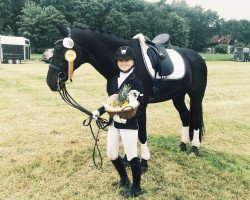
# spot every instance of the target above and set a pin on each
(145, 155)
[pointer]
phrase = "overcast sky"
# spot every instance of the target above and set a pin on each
(227, 9)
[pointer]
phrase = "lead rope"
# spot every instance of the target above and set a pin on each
(96, 149)
(100, 122)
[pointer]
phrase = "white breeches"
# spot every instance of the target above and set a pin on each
(128, 138)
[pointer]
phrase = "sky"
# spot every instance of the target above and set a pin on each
(227, 9)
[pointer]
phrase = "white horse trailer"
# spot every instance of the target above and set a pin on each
(14, 49)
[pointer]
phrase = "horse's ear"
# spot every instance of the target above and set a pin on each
(64, 31)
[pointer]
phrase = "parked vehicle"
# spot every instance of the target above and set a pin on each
(238, 54)
(47, 55)
(14, 49)
(241, 54)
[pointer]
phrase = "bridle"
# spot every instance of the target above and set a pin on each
(100, 122)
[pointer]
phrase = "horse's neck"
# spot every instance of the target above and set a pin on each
(101, 47)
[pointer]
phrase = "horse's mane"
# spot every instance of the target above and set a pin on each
(99, 30)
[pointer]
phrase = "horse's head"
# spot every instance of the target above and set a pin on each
(62, 59)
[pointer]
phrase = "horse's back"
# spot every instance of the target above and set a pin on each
(192, 57)
(189, 54)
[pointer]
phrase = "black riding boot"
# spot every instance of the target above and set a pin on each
(135, 189)
(125, 161)
(124, 182)
(144, 165)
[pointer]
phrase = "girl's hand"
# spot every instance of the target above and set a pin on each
(95, 114)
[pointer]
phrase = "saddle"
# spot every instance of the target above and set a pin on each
(162, 62)
(162, 40)
(158, 54)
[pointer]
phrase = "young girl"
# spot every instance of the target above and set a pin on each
(125, 130)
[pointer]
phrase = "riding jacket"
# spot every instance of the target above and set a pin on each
(136, 89)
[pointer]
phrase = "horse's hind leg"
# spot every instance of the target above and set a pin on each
(196, 123)
(179, 104)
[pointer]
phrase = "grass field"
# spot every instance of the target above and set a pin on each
(217, 57)
(46, 153)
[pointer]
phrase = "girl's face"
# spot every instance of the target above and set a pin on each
(125, 65)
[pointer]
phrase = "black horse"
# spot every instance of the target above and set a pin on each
(97, 47)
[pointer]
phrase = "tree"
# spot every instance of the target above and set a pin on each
(71, 9)
(6, 16)
(156, 17)
(162, 19)
(39, 25)
(91, 13)
(16, 6)
(79, 12)
(178, 30)
(118, 23)
(188, 26)
(202, 23)
(125, 7)
(240, 30)
(138, 24)
(245, 32)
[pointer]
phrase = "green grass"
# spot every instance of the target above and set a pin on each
(46, 153)
(36, 56)
(217, 57)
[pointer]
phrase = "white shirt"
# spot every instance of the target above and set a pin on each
(123, 76)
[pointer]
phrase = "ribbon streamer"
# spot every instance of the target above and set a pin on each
(70, 56)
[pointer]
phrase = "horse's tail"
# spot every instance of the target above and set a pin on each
(196, 94)
(201, 125)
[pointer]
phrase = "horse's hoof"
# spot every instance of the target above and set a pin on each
(194, 152)
(144, 165)
(183, 146)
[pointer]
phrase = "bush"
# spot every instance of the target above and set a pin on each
(221, 48)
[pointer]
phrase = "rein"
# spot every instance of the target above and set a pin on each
(100, 122)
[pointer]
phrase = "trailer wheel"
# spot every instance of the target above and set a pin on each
(17, 61)
(10, 61)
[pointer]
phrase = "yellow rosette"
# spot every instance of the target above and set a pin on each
(70, 56)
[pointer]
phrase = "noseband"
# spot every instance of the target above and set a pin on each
(51, 66)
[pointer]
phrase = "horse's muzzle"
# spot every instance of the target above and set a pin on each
(53, 87)
(52, 80)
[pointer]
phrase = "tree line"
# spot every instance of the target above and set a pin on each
(187, 26)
